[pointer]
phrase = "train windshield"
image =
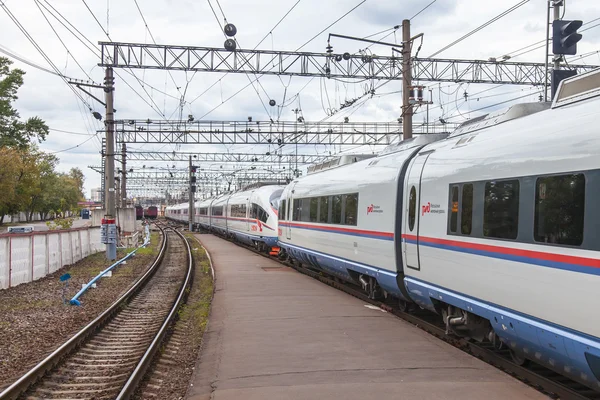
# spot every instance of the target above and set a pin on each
(274, 199)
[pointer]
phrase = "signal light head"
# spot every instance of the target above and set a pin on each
(565, 36)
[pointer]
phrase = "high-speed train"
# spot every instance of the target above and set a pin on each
(495, 227)
(249, 216)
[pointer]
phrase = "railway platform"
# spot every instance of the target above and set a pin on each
(274, 333)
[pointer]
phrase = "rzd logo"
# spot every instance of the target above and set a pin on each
(425, 209)
(370, 209)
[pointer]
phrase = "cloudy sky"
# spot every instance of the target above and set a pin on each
(187, 22)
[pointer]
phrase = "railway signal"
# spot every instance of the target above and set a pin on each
(191, 209)
(565, 36)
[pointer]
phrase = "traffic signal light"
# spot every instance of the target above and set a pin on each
(193, 170)
(565, 36)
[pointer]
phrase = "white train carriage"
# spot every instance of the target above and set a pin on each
(218, 214)
(177, 212)
(343, 220)
(252, 216)
(202, 217)
(502, 226)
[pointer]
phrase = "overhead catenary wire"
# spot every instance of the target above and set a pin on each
(17, 57)
(485, 24)
(258, 44)
(299, 48)
(74, 147)
(423, 9)
(156, 108)
(41, 51)
(61, 41)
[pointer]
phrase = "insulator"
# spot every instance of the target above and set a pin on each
(420, 93)
(338, 57)
(329, 49)
(230, 45)
(272, 103)
(230, 30)
(411, 93)
(346, 56)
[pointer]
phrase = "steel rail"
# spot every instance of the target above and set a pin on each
(142, 366)
(35, 373)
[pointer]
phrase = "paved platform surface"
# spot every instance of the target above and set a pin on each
(274, 333)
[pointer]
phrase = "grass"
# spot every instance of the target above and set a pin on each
(196, 311)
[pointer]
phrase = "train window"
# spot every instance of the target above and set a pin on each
(314, 208)
(454, 210)
(336, 209)
(466, 212)
(297, 211)
(274, 198)
(217, 211)
(412, 208)
(351, 209)
(282, 211)
(324, 210)
(259, 213)
(559, 209)
(238, 210)
(501, 209)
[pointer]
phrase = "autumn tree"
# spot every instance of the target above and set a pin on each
(10, 166)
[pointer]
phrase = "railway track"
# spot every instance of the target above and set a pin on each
(546, 381)
(108, 358)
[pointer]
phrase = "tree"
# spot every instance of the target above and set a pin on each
(43, 181)
(10, 166)
(13, 132)
(78, 178)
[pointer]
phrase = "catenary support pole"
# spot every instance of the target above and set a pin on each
(547, 48)
(557, 4)
(110, 211)
(124, 176)
(191, 197)
(407, 109)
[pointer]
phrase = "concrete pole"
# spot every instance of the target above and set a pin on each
(124, 176)
(407, 109)
(547, 49)
(110, 211)
(191, 198)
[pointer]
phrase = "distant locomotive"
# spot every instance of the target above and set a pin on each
(139, 212)
(151, 212)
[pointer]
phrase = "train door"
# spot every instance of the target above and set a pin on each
(249, 211)
(412, 191)
(289, 205)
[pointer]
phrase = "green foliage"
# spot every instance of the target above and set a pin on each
(60, 223)
(13, 131)
(29, 181)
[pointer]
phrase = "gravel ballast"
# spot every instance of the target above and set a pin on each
(169, 376)
(34, 320)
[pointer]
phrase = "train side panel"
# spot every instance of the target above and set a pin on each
(474, 235)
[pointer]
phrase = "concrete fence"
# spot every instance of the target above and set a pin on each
(30, 256)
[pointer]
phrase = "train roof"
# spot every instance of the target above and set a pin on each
(555, 140)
